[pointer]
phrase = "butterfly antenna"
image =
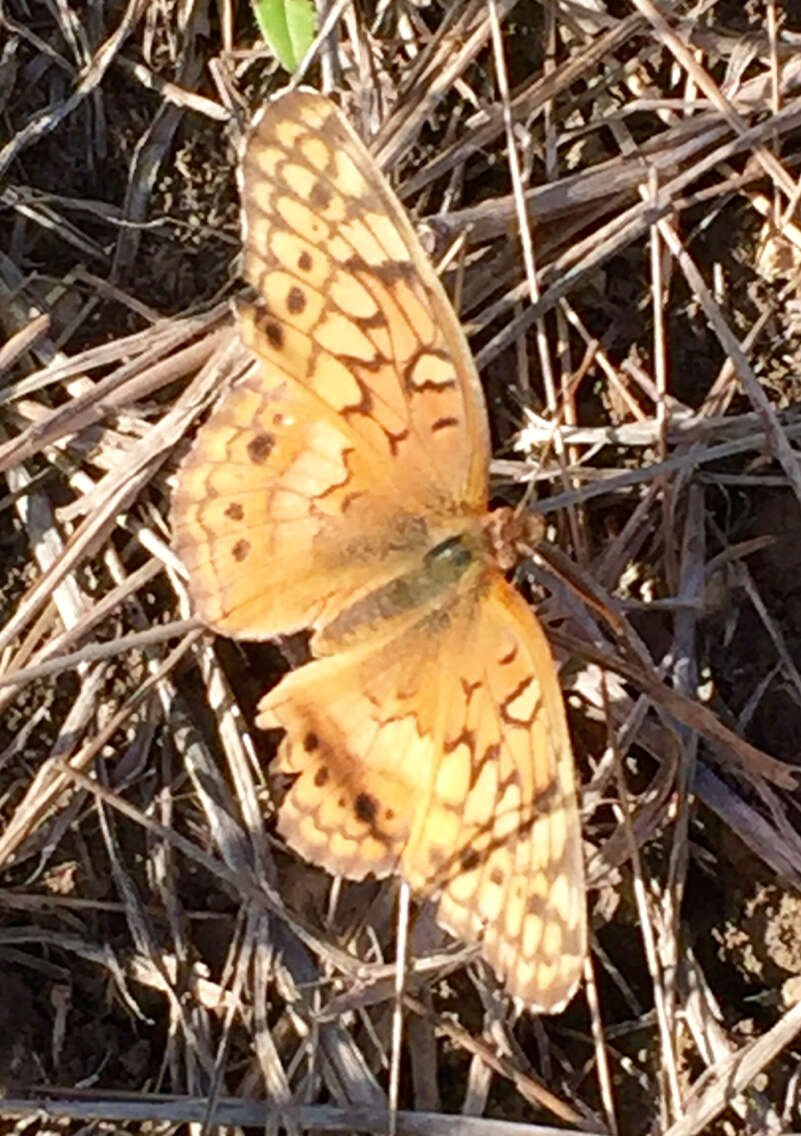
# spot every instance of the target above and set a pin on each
(397, 1015)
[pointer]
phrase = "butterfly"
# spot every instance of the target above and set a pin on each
(343, 486)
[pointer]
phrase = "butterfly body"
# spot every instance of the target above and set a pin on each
(343, 487)
(420, 589)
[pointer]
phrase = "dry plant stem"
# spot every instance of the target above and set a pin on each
(696, 456)
(48, 783)
(146, 457)
(377, 983)
(233, 1006)
(397, 1009)
(50, 117)
(652, 807)
(120, 389)
(445, 57)
(526, 243)
(424, 1052)
(750, 761)
(173, 92)
(599, 1042)
(571, 267)
(234, 820)
(749, 824)
(777, 439)
(789, 668)
(670, 1100)
(685, 679)
(83, 541)
(276, 1082)
(585, 200)
(94, 1107)
(46, 545)
(703, 1017)
(145, 941)
(22, 341)
(151, 151)
(48, 655)
(261, 896)
(685, 58)
(490, 123)
(327, 25)
(103, 957)
(526, 1085)
(724, 1081)
(660, 370)
(124, 351)
(331, 72)
(38, 630)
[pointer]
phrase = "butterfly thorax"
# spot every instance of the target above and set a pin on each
(460, 557)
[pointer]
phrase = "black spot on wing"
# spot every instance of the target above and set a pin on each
(444, 423)
(366, 807)
(320, 196)
(274, 333)
(260, 448)
(295, 300)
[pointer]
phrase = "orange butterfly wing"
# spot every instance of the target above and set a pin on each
(343, 486)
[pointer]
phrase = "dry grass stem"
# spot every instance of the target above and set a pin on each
(611, 192)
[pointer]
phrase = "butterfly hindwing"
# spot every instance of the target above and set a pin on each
(457, 775)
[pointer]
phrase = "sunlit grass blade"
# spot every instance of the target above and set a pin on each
(288, 26)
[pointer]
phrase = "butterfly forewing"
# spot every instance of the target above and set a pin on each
(350, 307)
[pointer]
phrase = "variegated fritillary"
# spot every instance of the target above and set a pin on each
(343, 486)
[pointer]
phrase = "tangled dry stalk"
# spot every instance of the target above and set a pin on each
(611, 192)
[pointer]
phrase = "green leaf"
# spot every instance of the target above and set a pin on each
(288, 26)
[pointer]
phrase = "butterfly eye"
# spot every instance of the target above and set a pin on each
(450, 559)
